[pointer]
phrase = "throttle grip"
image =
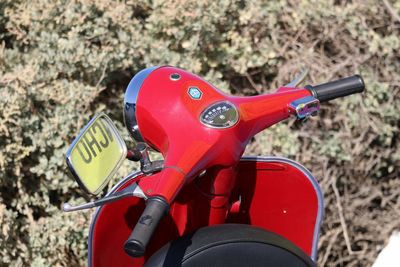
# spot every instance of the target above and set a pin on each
(156, 208)
(339, 88)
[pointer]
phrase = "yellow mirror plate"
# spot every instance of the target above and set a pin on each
(96, 154)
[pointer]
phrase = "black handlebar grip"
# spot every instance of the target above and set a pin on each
(339, 88)
(137, 242)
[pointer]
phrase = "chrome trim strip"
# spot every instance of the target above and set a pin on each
(127, 178)
(131, 95)
(314, 182)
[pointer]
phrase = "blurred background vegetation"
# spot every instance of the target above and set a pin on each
(62, 61)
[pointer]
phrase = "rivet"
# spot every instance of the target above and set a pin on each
(175, 76)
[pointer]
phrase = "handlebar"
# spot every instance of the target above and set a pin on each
(156, 208)
(257, 113)
(339, 88)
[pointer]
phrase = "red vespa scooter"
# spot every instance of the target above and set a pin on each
(204, 204)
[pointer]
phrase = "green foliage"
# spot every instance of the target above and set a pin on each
(62, 61)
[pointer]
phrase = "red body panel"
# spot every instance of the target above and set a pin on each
(169, 120)
(273, 193)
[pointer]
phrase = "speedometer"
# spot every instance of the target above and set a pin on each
(220, 115)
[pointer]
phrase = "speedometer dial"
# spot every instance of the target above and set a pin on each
(220, 115)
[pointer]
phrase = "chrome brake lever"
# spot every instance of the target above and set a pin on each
(298, 79)
(132, 190)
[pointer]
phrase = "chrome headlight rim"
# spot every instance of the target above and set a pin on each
(130, 100)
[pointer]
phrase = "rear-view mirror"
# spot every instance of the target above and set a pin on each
(96, 154)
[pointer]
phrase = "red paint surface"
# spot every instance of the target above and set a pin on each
(279, 198)
(168, 119)
(275, 196)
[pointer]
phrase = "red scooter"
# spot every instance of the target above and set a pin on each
(204, 204)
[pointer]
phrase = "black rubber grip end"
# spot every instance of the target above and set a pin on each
(137, 242)
(339, 88)
(134, 248)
